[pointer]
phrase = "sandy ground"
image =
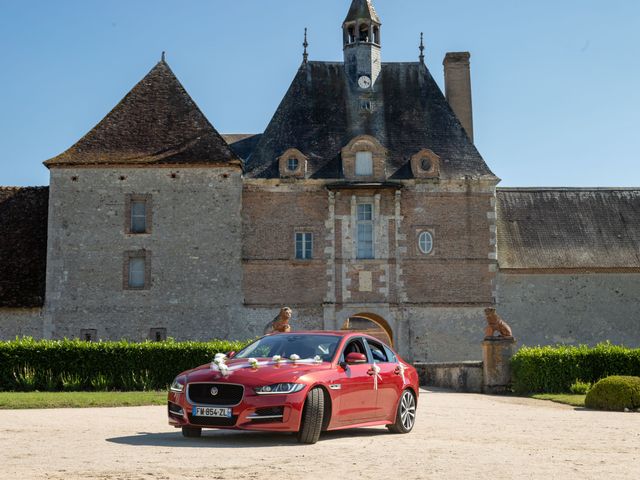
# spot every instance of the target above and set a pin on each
(457, 436)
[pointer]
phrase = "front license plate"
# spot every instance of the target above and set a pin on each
(211, 412)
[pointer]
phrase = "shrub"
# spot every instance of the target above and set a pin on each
(615, 393)
(74, 364)
(555, 369)
(25, 378)
(71, 382)
(101, 383)
(579, 387)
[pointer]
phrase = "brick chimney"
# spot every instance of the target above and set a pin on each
(457, 84)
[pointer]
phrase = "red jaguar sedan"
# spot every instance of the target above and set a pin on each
(304, 382)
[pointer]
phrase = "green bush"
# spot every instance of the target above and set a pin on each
(580, 387)
(614, 393)
(27, 364)
(555, 369)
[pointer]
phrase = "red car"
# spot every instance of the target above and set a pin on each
(304, 382)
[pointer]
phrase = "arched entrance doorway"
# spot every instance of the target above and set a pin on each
(371, 324)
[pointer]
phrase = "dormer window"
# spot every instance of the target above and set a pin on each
(425, 164)
(364, 164)
(364, 159)
(292, 164)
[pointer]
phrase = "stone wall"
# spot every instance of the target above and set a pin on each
(544, 309)
(193, 252)
(20, 322)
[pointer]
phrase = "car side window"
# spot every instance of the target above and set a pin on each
(353, 346)
(377, 352)
(390, 355)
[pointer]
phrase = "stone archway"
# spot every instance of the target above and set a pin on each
(372, 324)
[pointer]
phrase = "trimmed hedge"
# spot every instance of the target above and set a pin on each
(615, 393)
(555, 369)
(27, 364)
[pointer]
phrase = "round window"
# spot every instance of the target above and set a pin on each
(426, 164)
(292, 165)
(425, 242)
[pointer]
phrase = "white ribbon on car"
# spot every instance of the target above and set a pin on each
(219, 363)
(401, 368)
(376, 376)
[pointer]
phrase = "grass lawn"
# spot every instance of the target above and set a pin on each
(566, 398)
(22, 400)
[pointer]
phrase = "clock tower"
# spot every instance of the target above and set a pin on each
(361, 39)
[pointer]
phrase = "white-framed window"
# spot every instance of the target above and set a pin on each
(364, 164)
(425, 242)
(364, 224)
(304, 246)
(293, 164)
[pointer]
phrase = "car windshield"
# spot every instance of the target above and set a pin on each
(305, 346)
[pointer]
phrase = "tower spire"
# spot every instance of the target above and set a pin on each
(362, 44)
(305, 44)
(421, 47)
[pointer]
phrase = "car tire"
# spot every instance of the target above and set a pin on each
(191, 432)
(406, 413)
(312, 416)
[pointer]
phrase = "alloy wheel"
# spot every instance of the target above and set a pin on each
(408, 410)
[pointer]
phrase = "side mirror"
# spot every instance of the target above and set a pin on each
(355, 358)
(230, 355)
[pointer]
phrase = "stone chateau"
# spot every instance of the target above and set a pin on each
(363, 205)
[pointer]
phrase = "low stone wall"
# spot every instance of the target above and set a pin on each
(459, 376)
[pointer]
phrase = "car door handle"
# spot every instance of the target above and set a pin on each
(397, 371)
(371, 372)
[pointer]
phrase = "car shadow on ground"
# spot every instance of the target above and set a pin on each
(234, 439)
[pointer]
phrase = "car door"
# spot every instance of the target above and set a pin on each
(390, 383)
(358, 398)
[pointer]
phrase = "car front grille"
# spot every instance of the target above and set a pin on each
(227, 395)
(213, 421)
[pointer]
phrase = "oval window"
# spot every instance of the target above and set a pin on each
(426, 164)
(425, 242)
(293, 164)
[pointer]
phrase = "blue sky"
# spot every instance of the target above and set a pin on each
(556, 84)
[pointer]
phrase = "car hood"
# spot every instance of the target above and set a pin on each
(240, 372)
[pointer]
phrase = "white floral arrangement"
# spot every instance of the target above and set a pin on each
(224, 369)
(294, 358)
(277, 359)
(253, 362)
(317, 359)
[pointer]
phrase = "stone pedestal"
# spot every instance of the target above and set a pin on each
(496, 356)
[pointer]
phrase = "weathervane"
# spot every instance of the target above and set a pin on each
(305, 55)
(421, 47)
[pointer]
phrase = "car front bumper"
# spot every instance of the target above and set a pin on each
(281, 412)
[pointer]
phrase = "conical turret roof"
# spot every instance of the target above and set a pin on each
(362, 9)
(157, 122)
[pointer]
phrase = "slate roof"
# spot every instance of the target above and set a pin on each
(362, 9)
(242, 143)
(157, 122)
(321, 113)
(23, 246)
(568, 228)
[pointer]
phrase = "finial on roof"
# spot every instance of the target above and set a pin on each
(421, 47)
(162, 57)
(305, 55)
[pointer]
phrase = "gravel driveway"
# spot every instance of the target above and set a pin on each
(457, 436)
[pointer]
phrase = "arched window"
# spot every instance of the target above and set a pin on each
(425, 242)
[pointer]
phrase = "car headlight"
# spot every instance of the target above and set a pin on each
(279, 388)
(178, 384)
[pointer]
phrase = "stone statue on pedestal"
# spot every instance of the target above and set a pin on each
(496, 324)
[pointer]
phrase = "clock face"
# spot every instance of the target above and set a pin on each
(364, 82)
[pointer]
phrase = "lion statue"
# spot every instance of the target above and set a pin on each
(496, 324)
